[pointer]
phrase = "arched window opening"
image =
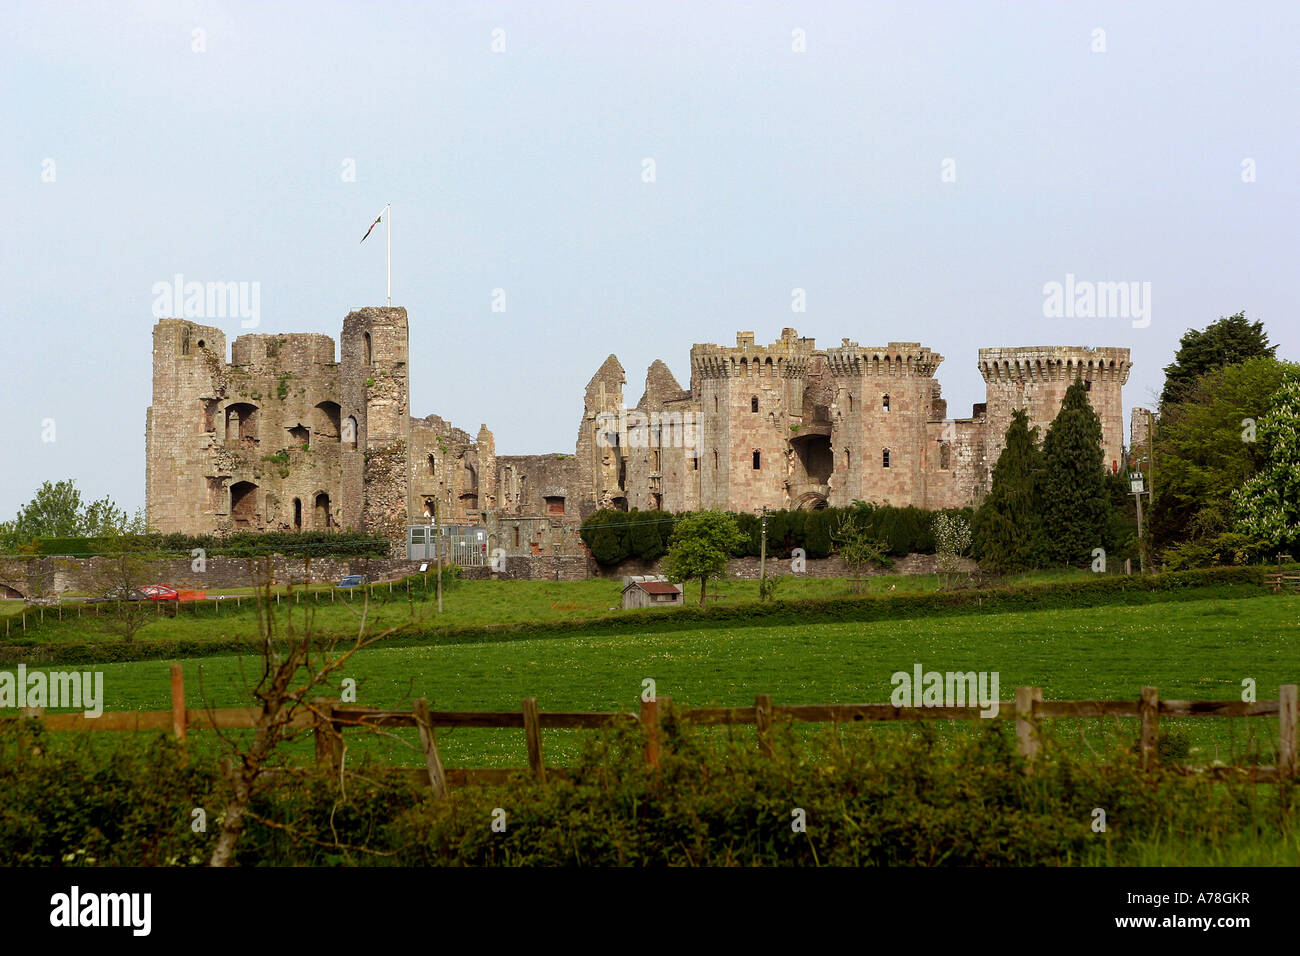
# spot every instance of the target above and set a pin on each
(243, 504)
(945, 456)
(753, 404)
(884, 404)
(884, 458)
(297, 514)
(350, 432)
(757, 461)
(324, 520)
(325, 421)
(365, 347)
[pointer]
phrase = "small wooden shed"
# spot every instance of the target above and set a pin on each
(650, 591)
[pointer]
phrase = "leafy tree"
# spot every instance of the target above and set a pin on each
(1225, 342)
(57, 511)
(1267, 506)
(952, 536)
(1075, 496)
(1007, 527)
(701, 544)
(1204, 451)
(859, 549)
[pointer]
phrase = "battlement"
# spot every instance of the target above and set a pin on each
(895, 359)
(1048, 363)
(298, 350)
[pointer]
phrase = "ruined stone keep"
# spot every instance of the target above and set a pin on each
(287, 435)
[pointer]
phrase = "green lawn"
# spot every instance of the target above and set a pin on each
(1197, 649)
(467, 603)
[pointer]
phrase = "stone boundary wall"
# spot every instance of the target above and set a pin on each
(833, 567)
(52, 574)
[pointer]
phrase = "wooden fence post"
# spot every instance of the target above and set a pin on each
(1028, 741)
(1148, 742)
(763, 723)
(179, 717)
(437, 777)
(533, 734)
(329, 743)
(650, 725)
(1287, 764)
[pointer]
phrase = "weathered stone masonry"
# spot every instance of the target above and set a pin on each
(287, 436)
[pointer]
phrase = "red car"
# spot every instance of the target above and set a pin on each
(159, 592)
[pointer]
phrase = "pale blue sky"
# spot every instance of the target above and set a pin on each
(522, 170)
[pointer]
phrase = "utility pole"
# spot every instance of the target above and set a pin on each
(1135, 483)
(438, 545)
(762, 558)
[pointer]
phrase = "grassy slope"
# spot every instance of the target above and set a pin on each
(1200, 649)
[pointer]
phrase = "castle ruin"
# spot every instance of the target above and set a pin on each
(288, 436)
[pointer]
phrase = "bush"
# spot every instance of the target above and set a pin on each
(305, 544)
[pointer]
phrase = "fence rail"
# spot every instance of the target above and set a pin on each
(328, 719)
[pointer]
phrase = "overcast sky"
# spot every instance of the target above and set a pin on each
(1113, 142)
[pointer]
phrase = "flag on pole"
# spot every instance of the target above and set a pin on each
(372, 226)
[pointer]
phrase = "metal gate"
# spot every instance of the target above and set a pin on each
(466, 545)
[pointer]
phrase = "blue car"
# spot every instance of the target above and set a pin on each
(353, 581)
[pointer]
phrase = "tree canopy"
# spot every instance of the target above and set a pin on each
(1076, 504)
(1229, 341)
(1007, 528)
(701, 544)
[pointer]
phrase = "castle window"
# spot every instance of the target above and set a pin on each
(757, 461)
(848, 458)
(297, 514)
(850, 402)
(202, 344)
(715, 459)
(753, 404)
(301, 437)
(1087, 386)
(365, 343)
(324, 519)
(241, 422)
(884, 458)
(516, 536)
(945, 456)
(695, 461)
(656, 502)
(554, 505)
(209, 414)
(243, 503)
(325, 421)
(185, 342)
(715, 403)
(658, 464)
(350, 432)
(884, 404)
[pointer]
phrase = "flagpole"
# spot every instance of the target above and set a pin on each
(388, 232)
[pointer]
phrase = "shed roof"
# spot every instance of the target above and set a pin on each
(658, 587)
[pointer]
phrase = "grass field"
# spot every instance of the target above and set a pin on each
(468, 603)
(1198, 649)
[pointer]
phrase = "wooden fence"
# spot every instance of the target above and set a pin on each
(1027, 710)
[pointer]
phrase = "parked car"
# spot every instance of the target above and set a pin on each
(160, 592)
(353, 581)
(120, 594)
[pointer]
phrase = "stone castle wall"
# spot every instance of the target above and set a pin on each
(285, 436)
